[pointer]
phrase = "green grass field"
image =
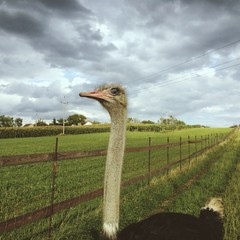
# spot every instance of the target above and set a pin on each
(27, 187)
(18, 146)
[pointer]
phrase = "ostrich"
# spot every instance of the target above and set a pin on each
(161, 226)
(113, 98)
(179, 226)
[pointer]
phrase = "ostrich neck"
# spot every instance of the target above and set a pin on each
(113, 173)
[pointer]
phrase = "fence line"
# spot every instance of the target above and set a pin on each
(48, 211)
(6, 161)
(45, 212)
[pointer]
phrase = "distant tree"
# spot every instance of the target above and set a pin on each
(95, 122)
(133, 120)
(234, 126)
(18, 122)
(75, 119)
(147, 122)
(171, 121)
(60, 121)
(28, 125)
(6, 121)
(130, 120)
(54, 121)
(41, 123)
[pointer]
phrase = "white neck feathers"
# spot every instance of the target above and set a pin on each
(113, 173)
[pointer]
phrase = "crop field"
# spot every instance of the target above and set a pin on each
(25, 188)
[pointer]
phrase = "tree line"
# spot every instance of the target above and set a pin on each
(7, 121)
(74, 119)
(79, 119)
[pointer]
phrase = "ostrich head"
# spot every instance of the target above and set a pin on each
(111, 96)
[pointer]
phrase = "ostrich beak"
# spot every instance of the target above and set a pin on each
(98, 95)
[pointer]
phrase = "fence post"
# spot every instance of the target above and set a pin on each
(180, 153)
(205, 142)
(149, 160)
(189, 151)
(167, 153)
(196, 146)
(201, 143)
(54, 175)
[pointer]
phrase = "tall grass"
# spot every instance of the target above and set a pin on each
(232, 209)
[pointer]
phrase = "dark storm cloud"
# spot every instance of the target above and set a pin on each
(230, 4)
(66, 6)
(188, 27)
(21, 24)
(39, 23)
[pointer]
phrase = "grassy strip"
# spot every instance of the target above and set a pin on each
(217, 183)
(232, 202)
(167, 186)
(212, 184)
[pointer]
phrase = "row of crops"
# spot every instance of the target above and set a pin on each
(23, 132)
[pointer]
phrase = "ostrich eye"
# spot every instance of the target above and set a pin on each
(114, 91)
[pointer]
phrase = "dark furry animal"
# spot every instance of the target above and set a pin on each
(179, 226)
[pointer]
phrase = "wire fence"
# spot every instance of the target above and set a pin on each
(37, 186)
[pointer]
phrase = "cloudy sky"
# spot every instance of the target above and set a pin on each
(175, 57)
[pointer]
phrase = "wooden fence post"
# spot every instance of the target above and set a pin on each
(149, 159)
(189, 150)
(167, 153)
(196, 146)
(54, 175)
(205, 142)
(180, 152)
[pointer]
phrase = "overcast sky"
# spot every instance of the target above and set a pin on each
(179, 58)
